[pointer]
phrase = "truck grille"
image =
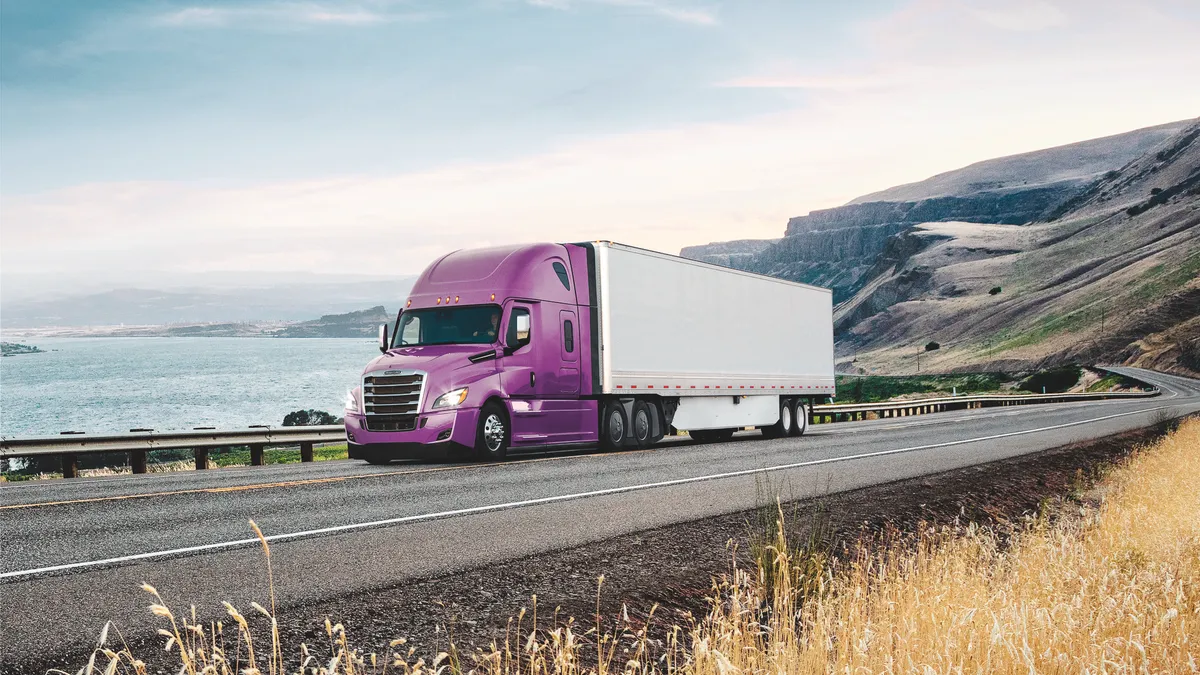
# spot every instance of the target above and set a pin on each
(392, 402)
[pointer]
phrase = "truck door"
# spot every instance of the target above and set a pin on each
(568, 371)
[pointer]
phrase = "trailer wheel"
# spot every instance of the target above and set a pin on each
(613, 426)
(786, 423)
(801, 419)
(642, 425)
(492, 436)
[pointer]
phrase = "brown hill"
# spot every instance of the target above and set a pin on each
(1111, 277)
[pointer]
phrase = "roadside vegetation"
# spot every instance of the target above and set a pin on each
(1103, 579)
(876, 388)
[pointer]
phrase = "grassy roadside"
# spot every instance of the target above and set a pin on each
(1107, 579)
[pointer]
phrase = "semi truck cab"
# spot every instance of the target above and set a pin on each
(545, 345)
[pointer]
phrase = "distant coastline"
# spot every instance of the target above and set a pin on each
(16, 349)
(362, 323)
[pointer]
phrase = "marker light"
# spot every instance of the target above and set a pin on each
(439, 301)
(456, 299)
(409, 304)
(447, 299)
(493, 297)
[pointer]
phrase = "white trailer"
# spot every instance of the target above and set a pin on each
(722, 348)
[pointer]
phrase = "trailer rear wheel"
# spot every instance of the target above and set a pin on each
(492, 436)
(801, 419)
(612, 426)
(786, 423)
(642, 425)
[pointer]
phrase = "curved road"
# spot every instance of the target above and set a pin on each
(74, 553)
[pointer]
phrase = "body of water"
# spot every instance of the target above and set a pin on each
(117, 384)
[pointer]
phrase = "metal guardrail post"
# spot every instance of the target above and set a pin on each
(137, 460)
(201, 458)
(256, 454)
(70, 465)
(306, 451)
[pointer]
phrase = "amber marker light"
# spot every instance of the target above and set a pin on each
(409, 304)
(456, 299)
(447, 299)
(493, 297)
(438, 301)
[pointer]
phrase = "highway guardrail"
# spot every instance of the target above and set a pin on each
(139, 443)
(843, 412)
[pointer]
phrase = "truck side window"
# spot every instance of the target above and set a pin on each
(561, 271)
(518, 327)
(569, 336)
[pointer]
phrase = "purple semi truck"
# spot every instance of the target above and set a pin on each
(543, 345)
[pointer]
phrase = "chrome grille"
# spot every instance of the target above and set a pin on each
(392, 401)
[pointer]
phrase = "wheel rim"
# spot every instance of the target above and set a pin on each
(785, 418)
(493, 432)
(801, 417)
(641, 425)
(616, 427)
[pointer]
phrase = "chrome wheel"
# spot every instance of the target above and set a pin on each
(785, 419)
(493, 432)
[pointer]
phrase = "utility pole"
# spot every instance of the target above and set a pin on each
(918, 360)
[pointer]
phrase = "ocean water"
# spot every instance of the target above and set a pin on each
(117, 384)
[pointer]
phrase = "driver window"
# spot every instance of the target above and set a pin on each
(518, 327)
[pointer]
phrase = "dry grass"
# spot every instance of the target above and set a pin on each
(1114, 587)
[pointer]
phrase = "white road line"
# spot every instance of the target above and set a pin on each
(545, 500)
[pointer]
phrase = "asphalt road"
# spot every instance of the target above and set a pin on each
(73, 554)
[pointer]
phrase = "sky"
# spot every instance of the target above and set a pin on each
(159, 139)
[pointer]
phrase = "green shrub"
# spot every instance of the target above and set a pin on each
(931, 345)
(1054, 380)
(995, 290)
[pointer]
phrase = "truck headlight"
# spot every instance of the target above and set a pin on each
(351, 404)
(450, 399)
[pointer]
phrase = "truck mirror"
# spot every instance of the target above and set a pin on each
(383, 337)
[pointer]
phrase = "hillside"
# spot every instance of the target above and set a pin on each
(839, 247)
(1107, 273)
(363, 323)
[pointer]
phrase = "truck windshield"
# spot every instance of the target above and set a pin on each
(478, 324)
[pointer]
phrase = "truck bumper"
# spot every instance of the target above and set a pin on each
(438, 435)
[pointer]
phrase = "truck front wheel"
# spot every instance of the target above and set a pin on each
(492, 437)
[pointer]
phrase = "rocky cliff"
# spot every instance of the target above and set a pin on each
(1010, 261)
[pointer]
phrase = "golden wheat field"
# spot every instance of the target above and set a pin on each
(1113, 587)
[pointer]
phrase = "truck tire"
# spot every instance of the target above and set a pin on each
(641, 427)
(613, 427)
(786, 421)
(493, 434)
(800, 425)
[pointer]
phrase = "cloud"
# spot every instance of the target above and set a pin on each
(695, 15)
(268, 14)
